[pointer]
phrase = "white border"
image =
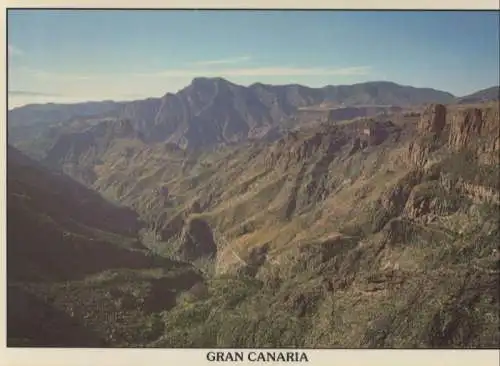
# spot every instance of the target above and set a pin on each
(125, 357)
(262, 4)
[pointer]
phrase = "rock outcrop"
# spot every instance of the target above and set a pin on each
(465, 127)
(197, 241)
(477, 130)
(294, 149)
(429, 199)
(433, 120)
(394, 199)
(429, 129)
(478, 193)
(418, 152)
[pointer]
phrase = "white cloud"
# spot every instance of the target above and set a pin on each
(260, 71)
(41, 74)
(232, 60)
(206, 72)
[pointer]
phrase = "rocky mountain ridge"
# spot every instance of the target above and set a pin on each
(211, 111)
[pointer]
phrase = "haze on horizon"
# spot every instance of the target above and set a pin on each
(69, 56)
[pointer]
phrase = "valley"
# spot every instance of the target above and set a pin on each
(356, 216)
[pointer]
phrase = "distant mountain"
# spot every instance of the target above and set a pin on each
(384, 93)
(481, 96)
(214, 110)
(32, 114)
(210, 111)
(32, 121)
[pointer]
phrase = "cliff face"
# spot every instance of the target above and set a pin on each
(465, 126)
(460, 145)
(470, 128)
(429, 130)
(433, 120)
(477, 129)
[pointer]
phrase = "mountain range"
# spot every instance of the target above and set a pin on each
(361, 216)
(212, 111)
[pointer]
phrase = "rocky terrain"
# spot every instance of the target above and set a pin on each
(366, 225)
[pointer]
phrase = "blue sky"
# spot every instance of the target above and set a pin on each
(66, 56)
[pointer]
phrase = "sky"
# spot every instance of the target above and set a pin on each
(66, 56)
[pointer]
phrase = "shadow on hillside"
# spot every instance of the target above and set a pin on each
(34, 323)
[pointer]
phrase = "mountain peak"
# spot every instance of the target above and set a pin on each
(483, 95)
(202, 80)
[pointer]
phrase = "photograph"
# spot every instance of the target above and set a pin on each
(256, 183)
